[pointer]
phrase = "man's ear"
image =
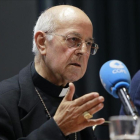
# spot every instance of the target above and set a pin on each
(40, 41)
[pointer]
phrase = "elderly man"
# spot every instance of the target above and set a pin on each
(39, 103)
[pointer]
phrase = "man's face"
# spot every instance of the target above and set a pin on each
(63, 63)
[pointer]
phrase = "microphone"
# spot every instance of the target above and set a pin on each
(115, 78)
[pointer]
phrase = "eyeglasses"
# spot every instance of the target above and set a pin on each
(74, 41)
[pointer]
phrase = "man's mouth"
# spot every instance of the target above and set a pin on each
(75, 64)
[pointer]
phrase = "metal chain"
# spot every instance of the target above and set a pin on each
(46, 107)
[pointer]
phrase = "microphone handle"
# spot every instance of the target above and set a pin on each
(128, 105)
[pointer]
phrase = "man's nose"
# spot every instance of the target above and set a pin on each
(82, 49)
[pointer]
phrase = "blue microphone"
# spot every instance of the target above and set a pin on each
(115, 78)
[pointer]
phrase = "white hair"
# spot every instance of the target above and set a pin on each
(46, 23)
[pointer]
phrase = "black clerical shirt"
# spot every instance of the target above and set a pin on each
(50, 94)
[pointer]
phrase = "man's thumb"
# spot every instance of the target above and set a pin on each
(70, 93)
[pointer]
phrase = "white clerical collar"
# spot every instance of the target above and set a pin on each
(63, 92)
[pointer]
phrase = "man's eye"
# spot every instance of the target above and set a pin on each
(74, 39)
(89, 44)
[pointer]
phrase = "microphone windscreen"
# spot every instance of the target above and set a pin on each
(114, 75)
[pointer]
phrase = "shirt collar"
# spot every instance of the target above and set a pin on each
(46, 86)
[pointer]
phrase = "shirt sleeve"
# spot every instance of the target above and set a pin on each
(47, 131)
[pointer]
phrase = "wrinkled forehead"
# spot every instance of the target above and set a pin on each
(71, 18)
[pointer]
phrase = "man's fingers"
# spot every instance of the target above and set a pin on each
(70, 93)
(96, 108)
(82, 100)
(94, 105)
(92, 122)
